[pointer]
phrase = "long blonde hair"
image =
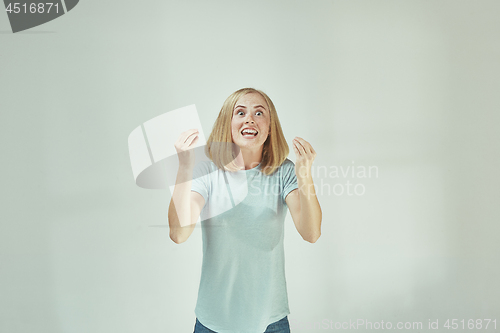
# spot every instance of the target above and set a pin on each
(219, 144)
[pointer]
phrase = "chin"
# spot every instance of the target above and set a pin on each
(252, 145)
(245, 143)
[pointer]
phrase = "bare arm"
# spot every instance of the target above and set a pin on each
(179, 231)
(185, 205)
(303, 203)
(305, 210)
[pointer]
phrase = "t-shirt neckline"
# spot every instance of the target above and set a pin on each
(252, 169)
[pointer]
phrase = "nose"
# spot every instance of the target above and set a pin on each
(249, 119)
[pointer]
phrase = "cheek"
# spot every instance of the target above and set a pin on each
(266, 126)
(234, 128)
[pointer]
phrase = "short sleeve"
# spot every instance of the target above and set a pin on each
(289, 179)
(200, 182)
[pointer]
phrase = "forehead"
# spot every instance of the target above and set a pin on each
(251, 100)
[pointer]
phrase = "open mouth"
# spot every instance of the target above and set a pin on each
(249, 133)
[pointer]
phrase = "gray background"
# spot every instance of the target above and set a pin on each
(408, 86)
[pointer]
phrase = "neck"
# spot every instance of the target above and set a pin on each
(249, 159)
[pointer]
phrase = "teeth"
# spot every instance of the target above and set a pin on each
(249, 131)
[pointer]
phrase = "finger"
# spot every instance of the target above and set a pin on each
(182, 138)
(185, 135)
(297, 152)
(307, 146)
(313, 151)
(301, 145)
(192, 140)
(300, 148)
(190, 137)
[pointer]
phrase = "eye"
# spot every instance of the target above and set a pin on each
(259, 112)
(238, 113)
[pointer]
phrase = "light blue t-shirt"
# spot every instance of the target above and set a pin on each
(242, 287)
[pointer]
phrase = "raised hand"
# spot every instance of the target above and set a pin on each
(184, 146)
(305, 156)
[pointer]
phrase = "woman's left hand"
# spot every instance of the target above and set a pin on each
(305, 156)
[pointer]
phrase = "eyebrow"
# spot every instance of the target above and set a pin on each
(242, 106)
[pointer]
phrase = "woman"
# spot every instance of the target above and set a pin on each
(242, 196)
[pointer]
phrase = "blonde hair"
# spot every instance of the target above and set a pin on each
(219, 147)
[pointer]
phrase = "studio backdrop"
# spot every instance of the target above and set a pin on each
(398, 98)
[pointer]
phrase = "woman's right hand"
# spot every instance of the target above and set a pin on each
(184, 147)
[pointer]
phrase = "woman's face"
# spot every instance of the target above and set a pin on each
(250, 112)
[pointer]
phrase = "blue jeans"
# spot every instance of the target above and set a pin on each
(280, 326)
